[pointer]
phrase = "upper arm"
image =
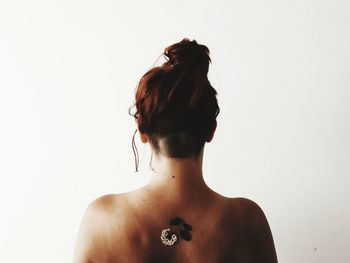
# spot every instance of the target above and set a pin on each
(260, 236)
(91, 232)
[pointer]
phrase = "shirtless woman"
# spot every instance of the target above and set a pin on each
(176, 217)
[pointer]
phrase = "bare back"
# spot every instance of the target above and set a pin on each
(176, 111)
(127, 228)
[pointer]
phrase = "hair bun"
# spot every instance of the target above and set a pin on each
(187, 52)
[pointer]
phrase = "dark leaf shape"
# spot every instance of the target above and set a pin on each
(176, 221)
(187, 227)
(185, 235)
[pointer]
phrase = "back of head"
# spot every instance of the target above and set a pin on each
(175, 104)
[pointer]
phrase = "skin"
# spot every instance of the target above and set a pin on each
(126, 227)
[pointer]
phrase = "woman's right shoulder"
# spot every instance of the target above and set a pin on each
(246, 203)
(255, 227)
(246, 208)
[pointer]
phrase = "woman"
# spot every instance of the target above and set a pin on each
(176, 217)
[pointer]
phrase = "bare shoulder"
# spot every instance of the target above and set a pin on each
(98, 212)
(254, 230)
(250, 209)
(94, 228)
(104, 205)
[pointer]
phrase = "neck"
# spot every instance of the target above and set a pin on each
(179, 178)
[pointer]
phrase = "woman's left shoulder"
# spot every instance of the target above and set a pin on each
(98, 212)
(103, 203)
(100, 217)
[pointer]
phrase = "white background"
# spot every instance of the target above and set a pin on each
(68, 70)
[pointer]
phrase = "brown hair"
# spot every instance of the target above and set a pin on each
(175, 104)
